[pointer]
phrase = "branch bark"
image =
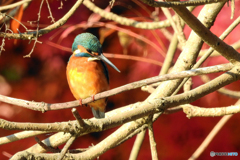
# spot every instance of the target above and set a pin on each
(43, 107)
(139, 110)
(32, 35)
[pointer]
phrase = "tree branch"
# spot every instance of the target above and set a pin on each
(143, 109)
(31, 35)
(41, 106)
(194, 111)
(137, 145)
(19, 136)
(224, 91)
(211, 135)
(78, 117)
(189, 55)
(225, 50)
(14, 5)
(210, 51)
(47, 148)
(153, 144)
(123, 20)
(179, 4)
(65, 148)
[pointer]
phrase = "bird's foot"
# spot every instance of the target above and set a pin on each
(80, 102)
(82, 105)
(93, 97)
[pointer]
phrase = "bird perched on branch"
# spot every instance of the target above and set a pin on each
(87, 73)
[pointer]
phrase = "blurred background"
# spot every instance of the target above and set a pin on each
(42, 78)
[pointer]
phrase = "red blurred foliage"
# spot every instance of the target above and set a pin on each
(42, 78)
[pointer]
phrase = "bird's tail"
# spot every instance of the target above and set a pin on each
(98, 114)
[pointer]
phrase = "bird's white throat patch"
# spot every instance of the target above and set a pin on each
(93, 58)
(77, 51)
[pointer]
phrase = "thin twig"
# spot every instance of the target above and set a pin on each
(209, 51)
(180, 32)
(65, 148)
(211, 135)
(211, 39)
(50, 12)
(78, 117)
(3, 43)
(4, 14)
(40, 106)
(59, 23)
(153, 144)
(14, 5)
(177, 31)
(170, 54)
(34, 44)
(188, 56)
(123, 20)
(179, 3)
(137, 145)
(148, 88)
(232, 8)
(47, 148)
(173, 110)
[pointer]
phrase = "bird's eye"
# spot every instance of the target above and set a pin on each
(89, 50)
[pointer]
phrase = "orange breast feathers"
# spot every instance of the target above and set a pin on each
(87, 78)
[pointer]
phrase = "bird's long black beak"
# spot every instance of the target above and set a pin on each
(102, 57)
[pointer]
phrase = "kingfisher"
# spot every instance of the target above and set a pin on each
(87, 74)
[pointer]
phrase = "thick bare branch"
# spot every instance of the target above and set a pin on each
(189, 55)
(194, 111)
(138, 110)
(19, 136)
(216, 43)
(210, 51)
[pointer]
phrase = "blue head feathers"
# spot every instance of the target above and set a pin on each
(88, 41)
(91, 44)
